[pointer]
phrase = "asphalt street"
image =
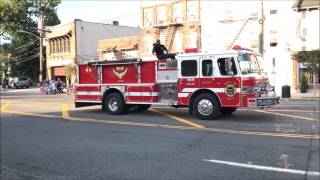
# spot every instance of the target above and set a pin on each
(45, 137)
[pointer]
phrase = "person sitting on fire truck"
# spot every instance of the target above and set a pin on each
(159, 49)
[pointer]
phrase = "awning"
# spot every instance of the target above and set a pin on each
(300, 5)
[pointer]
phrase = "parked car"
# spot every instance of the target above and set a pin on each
(20, 82)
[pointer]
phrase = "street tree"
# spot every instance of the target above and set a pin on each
(311, 59)
(18, 25)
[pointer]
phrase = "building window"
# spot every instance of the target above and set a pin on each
(61, 45)
(148, 44)
(273, 11)
(162, 37)
(189, 68)
(51, 46)
(177, 13)
(192, 10)
(68, 44)
(192, 40)
(303, 14)
(148, 18)
(178, 42)
(304, 32)
(161, 15)
(64, 45)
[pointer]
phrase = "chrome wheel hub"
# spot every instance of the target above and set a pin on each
(205, 107)
(113, 104)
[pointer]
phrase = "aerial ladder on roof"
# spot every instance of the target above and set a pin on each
(240, 31)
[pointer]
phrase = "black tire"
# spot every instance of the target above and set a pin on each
(227, 110)
(143, 107)
(200, 104)
(114, 104)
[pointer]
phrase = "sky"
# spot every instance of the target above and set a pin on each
(125, 11)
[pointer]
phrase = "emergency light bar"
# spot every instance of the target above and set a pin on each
(238, 48)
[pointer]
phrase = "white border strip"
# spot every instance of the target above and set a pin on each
(218, 90)
(142, 94)
(88, 93)
(266, 168)
(183, 95)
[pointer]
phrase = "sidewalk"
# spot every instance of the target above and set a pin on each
(313, 94)
(31, 89)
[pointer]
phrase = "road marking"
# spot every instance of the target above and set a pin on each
(182, 120)
(291, 110)
(41, 102)
(287, 115)
(266, 168)
(242, 109)
(5, 106)
(31, 114)
(229, 131)
(65, 111)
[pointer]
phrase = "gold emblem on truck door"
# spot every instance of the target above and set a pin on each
(229, 90)
(120, 71)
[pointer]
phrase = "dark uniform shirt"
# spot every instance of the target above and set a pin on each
(159, 50)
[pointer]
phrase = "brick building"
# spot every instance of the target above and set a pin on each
(176, 24)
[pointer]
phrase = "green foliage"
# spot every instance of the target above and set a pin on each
(311, 58)
(16, 17)
(304, 84)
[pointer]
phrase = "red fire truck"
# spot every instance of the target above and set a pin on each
(209, 84)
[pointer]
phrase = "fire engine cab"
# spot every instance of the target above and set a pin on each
(209, 84)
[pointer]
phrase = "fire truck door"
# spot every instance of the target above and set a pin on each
(188, 81)
(227, 80)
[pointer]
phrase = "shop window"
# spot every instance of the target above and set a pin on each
(189, 68)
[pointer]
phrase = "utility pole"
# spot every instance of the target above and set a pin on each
(40, 27)
(261, 28)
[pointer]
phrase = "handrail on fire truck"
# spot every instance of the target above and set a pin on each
(117, 62)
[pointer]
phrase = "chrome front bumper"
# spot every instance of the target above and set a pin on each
(263, 101)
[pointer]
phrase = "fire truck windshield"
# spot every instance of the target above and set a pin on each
(248, 64)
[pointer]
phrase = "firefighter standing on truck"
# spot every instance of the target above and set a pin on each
(159, 49)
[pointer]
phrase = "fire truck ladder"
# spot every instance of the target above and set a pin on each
(239, 32)
(171, 31)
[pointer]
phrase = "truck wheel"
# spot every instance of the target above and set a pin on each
(114, 104)
(227, 110)
(206, 106)
(143, 107)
